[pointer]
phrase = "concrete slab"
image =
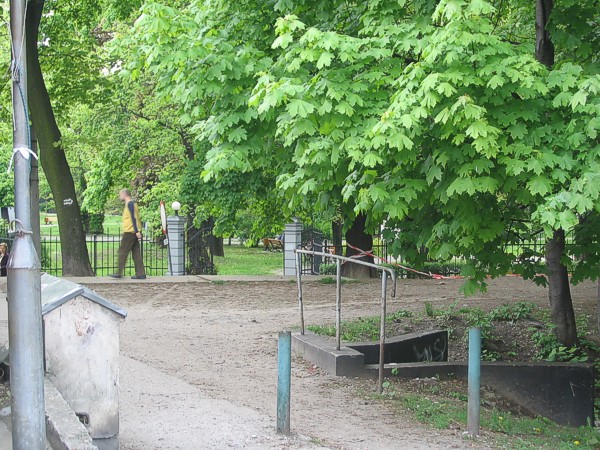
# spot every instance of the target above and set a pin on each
(63, 429)
(161, 411)
(562, 392)
(5, 436)
(321, 351)
(425, 346)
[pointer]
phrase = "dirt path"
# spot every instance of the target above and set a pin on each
(211, 349)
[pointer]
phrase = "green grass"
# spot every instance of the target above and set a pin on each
(510, 431)
(363, 328)
(249, 261)
(112, 225)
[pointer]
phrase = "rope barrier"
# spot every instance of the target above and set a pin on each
(435, 276)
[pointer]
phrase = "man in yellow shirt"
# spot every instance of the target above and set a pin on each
(132, 235)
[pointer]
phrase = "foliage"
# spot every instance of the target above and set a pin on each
(550, 349)
(477, 176)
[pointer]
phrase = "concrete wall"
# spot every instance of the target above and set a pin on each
(82, 361)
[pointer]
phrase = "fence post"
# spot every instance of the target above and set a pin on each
(95, 252)
(382, 329)
(474, 381)
(299, 281)
(284, 374)
(338, 305)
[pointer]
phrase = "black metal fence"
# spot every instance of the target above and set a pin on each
(103, 250)
(326, 266)
(200, 244)
(315, 265)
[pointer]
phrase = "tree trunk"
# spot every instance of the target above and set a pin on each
(544, 48)
(559, 290)
(561, 303)
(216, 246)
(337, 233)
(75, 258)
(598, 306)
(34, 185)
(357, 237)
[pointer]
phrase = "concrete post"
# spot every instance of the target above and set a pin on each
(176, 236)
(292, 239)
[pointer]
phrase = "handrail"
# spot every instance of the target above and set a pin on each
(338, 321)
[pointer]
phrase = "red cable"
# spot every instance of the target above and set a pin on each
(435, 276)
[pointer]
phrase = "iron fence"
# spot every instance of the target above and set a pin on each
(103, 250)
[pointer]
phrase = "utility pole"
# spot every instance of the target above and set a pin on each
(24, 286)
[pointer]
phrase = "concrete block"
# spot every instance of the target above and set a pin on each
(425, 346)
(562, 392)
(321, 351)
(64, 431)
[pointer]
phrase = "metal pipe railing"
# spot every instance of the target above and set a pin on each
(338, 316)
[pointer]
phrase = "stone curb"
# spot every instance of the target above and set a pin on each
(64, 431)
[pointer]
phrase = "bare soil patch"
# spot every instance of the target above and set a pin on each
(222, 339)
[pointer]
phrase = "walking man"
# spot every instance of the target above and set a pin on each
(132, 235)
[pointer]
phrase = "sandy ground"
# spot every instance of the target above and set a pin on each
(199, 365)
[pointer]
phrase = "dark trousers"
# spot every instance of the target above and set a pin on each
(130, 243)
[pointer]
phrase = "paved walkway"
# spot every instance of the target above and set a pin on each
(194, 279)
(162, 411)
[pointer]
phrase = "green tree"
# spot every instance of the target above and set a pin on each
(433, 117)
(502, 149)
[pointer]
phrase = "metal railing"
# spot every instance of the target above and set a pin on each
(338, 301)
(103, 250)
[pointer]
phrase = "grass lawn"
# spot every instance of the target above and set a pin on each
(249, 261)
(112, 225)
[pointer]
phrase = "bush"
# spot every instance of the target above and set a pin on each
(93, 223)
(328, 269)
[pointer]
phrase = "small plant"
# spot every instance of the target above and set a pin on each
(328, 269)
(512, 312)
(444, 313)
(429, 310)
(561, 353)
(476, 317)
(219, 282)
(327, 280)
(333, 280)
(489, 355)
(550, 349)
(388, 389)
(401, 313)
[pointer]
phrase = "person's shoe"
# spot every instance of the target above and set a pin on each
(138, 277)
(115, 275)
